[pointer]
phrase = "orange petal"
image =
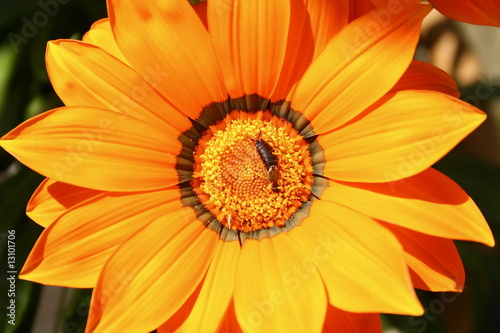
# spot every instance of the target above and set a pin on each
(96, 149)
(201, 9)
(152, 274)
(52, 199)
(216, 292)
(404, 135)
(429, 202)
(423, 76)
(360, 262)
(314, 23)
(101, 35)
(382, 3)
(230, 322)
(346, 77)
(179, 317)
(84, 75)
(299, 47)
(484, 12)
(435, 261)
(358, 8)
(327, 19)
(168, 45)
(341, 321)
(278, 288)
(249, 39)
(72, 251)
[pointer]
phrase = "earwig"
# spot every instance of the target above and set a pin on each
(266, 154)
(273, 175)
(270, 161)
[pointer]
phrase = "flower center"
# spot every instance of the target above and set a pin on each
(256, 172)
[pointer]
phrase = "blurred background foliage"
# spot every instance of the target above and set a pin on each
(25, 90)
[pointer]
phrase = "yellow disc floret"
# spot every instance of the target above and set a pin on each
(247, 189)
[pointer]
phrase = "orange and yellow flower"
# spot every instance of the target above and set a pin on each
(255, 165)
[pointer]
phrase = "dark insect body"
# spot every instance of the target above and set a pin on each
(266, 154)
(270, 161)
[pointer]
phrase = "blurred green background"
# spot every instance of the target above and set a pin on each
(27, 25)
